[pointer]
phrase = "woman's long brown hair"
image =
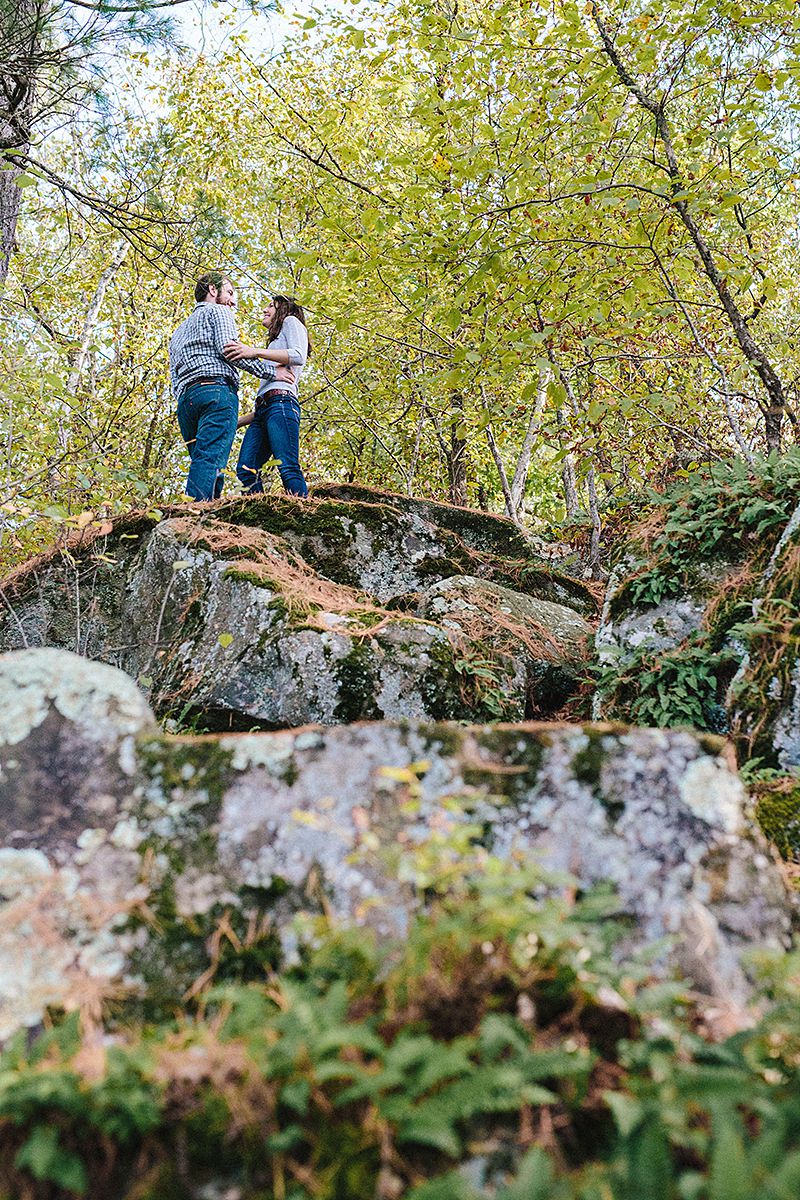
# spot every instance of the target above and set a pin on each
(286, 306)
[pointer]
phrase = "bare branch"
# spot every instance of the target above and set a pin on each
(107, 9)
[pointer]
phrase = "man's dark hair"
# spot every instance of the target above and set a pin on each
(210, 279)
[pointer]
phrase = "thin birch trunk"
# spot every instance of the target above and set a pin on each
(501, 471)
(526, 453)
(594, 513)
(92, 315)
(412, 470)
(457, 455)
(754, 353)
(87, 333)
(571, 504)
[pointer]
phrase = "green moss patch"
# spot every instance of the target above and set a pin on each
(778, 813)
(356, 679)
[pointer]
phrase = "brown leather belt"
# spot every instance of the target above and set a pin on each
(217, 380)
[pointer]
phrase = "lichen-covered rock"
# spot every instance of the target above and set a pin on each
(391, 549)
(264, 641)
(634, 625)
(699, 621)
(68, 758)
(67, 744)
(777, 810)
(482, 531)
(786, 728)
(764, 696)
(227, 836)
(265, 612)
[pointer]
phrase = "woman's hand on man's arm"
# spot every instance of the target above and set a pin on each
(236, 351)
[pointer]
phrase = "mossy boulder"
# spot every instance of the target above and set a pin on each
(638, 626)
(206, 847)
(550, 641)
(778, 813)
(265, 612)
(61, 710)
(764, 697)
(478, 530)
(390, 546)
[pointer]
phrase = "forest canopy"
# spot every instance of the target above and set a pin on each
(546, 252)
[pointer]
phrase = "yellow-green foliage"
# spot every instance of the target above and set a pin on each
(475, 244)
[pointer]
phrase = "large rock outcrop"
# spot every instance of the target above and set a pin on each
(270, 612)
(154, 851)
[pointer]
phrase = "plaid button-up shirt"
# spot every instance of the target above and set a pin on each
(195, 350)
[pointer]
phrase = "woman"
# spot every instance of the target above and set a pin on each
(274, 428)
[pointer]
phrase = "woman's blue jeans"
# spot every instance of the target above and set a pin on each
(207, 415)
(274, 434)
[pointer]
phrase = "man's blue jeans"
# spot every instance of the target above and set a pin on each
(274, 433)
(207, 415)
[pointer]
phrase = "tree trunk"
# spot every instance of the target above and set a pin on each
(412, 468)
(501, 472)
(526, 453)
(594, 513)
(92, 315)
(457, 454)
(754, 354)
(571, 504)
(20, 28)
(10, 196)
(87, 334)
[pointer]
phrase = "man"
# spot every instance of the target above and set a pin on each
(205, 385)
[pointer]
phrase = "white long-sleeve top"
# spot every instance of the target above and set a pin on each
(294, 338)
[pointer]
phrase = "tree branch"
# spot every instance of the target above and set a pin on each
(751, 350)
(145, 6)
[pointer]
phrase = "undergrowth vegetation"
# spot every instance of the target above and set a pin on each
(711, 539)
(712, 572)
(497, 1050)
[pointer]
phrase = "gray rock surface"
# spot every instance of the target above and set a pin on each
(627, 628)
(242, 831)
(786, 730)
(481, 531)
(764, 696)
(269, 613)
(67, 741)
(734, 619)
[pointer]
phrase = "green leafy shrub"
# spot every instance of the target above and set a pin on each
(684, 686)
(723, 511)
(727, 514)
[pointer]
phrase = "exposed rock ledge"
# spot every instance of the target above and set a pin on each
(269, 612)
(125, 849)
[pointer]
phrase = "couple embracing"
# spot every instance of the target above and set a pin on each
(205, 357)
